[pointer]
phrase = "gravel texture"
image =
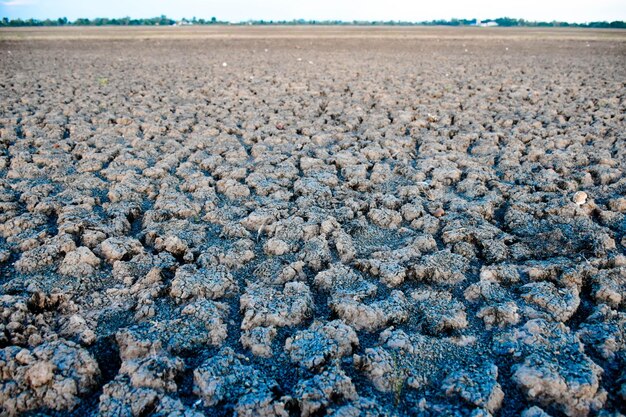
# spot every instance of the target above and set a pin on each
(321, 221)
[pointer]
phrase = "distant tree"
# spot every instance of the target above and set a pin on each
(506, 21)
(163, 20)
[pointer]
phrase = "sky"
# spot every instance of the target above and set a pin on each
(579, 11)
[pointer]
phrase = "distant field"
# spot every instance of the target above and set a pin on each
(254, 32)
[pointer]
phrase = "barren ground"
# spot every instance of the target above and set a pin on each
(312, 221)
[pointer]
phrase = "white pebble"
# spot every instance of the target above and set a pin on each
(580, 198)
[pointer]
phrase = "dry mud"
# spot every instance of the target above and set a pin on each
(317, 222)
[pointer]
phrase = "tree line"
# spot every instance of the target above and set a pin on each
(166, 21)
(105, 21)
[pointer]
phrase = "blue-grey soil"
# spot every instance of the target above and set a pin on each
(312, 221)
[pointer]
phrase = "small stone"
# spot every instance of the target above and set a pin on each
(439, 212)
(580, 198)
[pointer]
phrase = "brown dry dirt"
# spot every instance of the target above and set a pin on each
(285, 221)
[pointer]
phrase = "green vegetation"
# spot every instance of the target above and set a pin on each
(166, 21)
(103, 21)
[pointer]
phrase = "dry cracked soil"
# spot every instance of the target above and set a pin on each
(312, 221)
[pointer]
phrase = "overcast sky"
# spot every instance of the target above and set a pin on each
(240, 10)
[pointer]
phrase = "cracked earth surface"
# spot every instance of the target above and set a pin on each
(284, 222)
